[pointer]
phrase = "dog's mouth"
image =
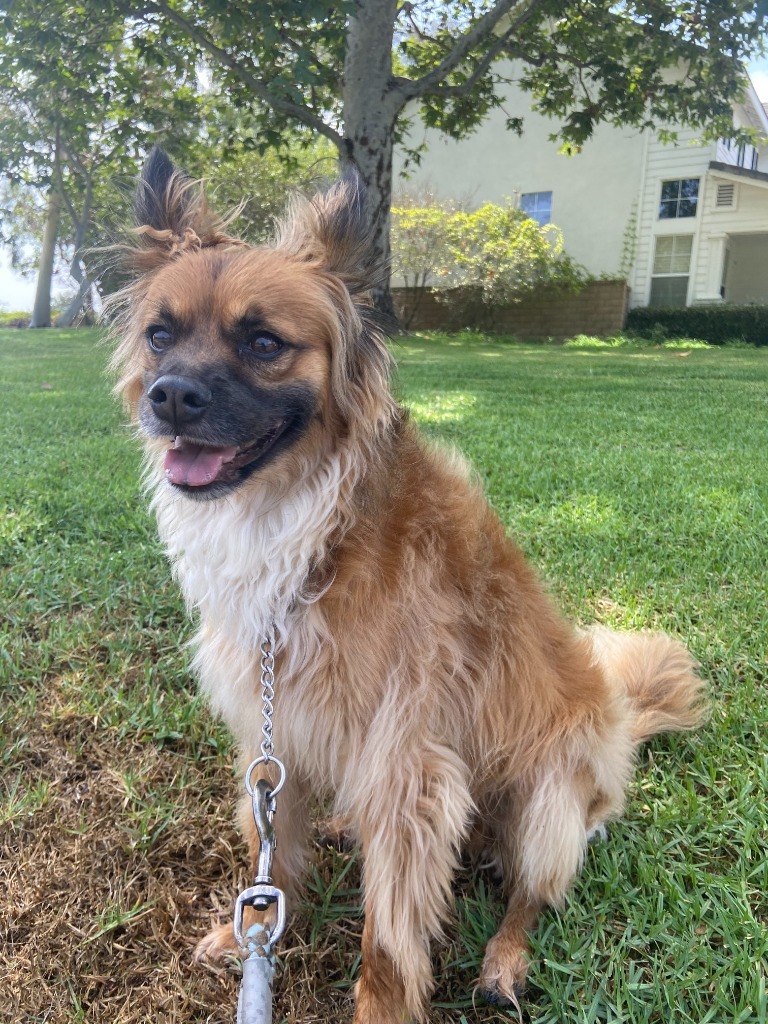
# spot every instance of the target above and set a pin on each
(194, 465)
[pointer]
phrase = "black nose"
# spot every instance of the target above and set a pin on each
(179, 400)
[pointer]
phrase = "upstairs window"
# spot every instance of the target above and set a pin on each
(537, 206)
(679, 198)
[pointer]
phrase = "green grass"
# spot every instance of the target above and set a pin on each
(635, 477)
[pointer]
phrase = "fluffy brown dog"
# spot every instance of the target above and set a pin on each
(425, 683)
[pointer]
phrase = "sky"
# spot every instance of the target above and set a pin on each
(18, 293)
(758, 72)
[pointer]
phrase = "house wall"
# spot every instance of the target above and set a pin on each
(684, 159)
(593, 192)
(724, 229)
(606, 198)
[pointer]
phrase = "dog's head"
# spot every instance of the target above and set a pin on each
(236, 359)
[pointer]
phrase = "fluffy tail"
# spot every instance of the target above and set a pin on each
(657, 674)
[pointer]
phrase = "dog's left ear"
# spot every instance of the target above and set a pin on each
(330, 232)
(171, 211)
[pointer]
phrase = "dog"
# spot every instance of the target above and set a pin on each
(426, 685)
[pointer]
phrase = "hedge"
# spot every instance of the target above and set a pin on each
(14, 319)
(717, 324)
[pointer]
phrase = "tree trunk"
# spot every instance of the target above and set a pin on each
(41, 313)
(67, 318)
(76, 271)
(371, 107)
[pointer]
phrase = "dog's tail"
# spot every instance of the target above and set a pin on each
(657, 674)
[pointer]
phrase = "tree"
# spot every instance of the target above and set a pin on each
(77, 105)
(356, 71)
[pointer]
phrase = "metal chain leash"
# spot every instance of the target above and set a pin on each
(267, 692)
(255, 1001)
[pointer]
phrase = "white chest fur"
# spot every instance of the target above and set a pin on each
(243, 566)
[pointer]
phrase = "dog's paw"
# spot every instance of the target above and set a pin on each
(334, 833)
(502, 978)
(217, 945)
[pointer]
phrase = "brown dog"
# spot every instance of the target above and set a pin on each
(425, 682)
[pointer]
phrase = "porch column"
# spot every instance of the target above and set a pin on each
(716, 244)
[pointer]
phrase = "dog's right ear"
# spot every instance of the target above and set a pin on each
(160, 194)
(171, 211)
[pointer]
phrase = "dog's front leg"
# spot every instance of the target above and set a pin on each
(411, 819)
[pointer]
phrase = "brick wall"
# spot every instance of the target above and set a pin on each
(600, 308)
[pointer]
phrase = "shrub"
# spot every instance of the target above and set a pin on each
(720, 325)
(14, 319)
(484, 260)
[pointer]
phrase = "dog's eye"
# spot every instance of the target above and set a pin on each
(159, 339)
(263, 345)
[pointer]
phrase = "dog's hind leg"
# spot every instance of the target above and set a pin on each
(541, 846)
(411, 817)
(291, 827)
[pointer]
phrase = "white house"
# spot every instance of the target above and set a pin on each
(686, 223)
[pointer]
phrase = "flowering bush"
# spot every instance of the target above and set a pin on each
(496, 250)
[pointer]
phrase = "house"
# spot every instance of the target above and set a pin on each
(684, 223)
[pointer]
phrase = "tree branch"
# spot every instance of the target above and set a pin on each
(256, 86)
(434, 80)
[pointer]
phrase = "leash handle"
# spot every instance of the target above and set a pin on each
(254, 1004)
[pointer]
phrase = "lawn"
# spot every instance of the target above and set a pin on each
(635, 478)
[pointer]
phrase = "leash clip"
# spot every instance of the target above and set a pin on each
(260, 896)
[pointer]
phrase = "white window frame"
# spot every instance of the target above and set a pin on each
(673, 272)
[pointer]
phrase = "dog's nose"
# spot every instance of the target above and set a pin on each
(179, 400)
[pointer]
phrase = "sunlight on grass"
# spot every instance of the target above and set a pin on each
(443, 408)
(588, 512)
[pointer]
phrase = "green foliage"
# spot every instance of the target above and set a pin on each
(8, 318)
(717, 324)
(506, 254)
(239, 177)
(421, 235)
(77, 106)
(589, 63)
(495, 254)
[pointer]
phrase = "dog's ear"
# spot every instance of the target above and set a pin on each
(330, 231)
(171, 211)
(162, 192)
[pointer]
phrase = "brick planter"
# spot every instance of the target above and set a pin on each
(600, 308)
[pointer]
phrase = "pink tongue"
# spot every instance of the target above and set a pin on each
(195, 465)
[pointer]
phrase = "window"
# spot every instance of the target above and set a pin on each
(537, 206)
(679, 198)
(671, 265)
